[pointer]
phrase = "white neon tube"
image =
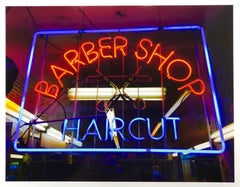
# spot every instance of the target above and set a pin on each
(227, 129)
(228, 134)
(16, 156)
(112, 123)
(202, 146)
(146, 93)
(13, 109)
(172, 109)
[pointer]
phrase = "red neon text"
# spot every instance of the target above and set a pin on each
(59, 73)
(71, 56)
(146, 51)
(42, 87)
(190, 86)
(89, 52)
(109, 48)
(103, 49)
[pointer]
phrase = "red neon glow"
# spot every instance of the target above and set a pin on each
(157, 48)
(179, 61)
(43, 87)
(120, 47)
(190, 86)
(58, 75)
(164, 60)
(88, 50)
(143, 48)
(71, 56)
(112, 47)
(157, 52)
(103, 48)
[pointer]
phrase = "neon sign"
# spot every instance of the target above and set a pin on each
(112, 48)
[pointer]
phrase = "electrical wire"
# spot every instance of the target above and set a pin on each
(89, 20)
(53, 45)
(31, 15)
(25, 124)
(34, 121)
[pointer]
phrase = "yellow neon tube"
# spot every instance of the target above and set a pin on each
(146, 93)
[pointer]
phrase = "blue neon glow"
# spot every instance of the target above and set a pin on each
(95, 133)
(173, 119)
(25, 88)
(190, 27)
(65, 127)
(100, 31)
(137, 150)
(139, 29)
(65, 32)
(118, 130)
(130, 125)
(163, 130)
(213, 89)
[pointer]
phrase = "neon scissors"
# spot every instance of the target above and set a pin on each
(119, 92)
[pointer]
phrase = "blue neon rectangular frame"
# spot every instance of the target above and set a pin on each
(184, 151)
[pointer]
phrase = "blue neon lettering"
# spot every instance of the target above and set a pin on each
(118, 130)
(96, 133)
(111, 130)
(149, 130)
(108, 129)
(173, 119)
(130, 131)
(65, 127)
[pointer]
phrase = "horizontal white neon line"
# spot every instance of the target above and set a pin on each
(174, 154)
(146, 93)
(13, 109)
(225, 130)
(227, 136)
(202, 146)
(16, 156)
(57, 134)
